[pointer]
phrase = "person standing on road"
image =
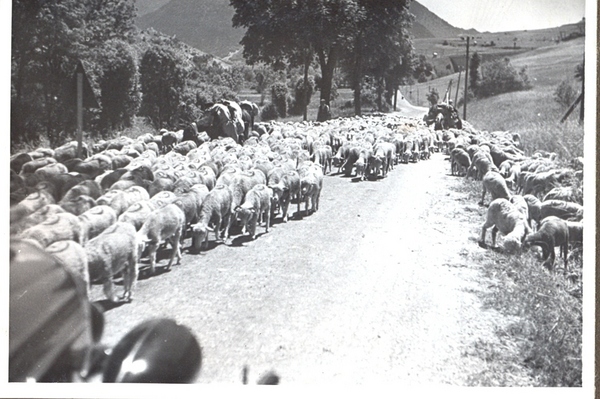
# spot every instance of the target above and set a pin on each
(324, 113)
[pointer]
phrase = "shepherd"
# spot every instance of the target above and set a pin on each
(324, 112)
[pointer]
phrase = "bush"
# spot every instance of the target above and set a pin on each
(269, 112)
(565, 94)
(279, 95)
(501, 77)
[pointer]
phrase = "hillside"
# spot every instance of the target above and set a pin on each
(206, 24)
(429, 25)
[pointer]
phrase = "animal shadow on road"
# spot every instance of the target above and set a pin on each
(105, 305)
(241, 239)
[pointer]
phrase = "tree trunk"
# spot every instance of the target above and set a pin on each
(357, 81)
(305, 98)
(327, 67)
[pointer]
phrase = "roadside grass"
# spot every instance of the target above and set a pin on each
(544, 335)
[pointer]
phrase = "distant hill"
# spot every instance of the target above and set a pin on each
(206, 24)
(429, 25)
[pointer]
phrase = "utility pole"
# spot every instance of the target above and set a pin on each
(466, 80)
(457, 87)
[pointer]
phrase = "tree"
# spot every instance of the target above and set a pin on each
(162, 79)
(118, 85)
(280, 32)
(49, 37)
(378, 46)
(474, 71)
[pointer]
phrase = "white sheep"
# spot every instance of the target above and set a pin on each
(78, 205)
(137, 213)
(74, 258)
(285, 186)
(35, 218)
(162, 225)
(96, 220)
(257, 203)
(311, 183)
(507, 219)
(57, 227)
(30, 204)
(215, 209)
(114, 251)
(496, 185)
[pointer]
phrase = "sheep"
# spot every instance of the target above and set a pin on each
(30, 204)
(35, 218)
(121, 200)
(506, 218)
(137, 213)
(163, 198)
(243, 182)
(114, 251)
(322, 155)
(257, 203)
(285, 186)
(96, 220)
(57, 227)
(191, 201)
(362, 163)
(78, 205)
(162, 225)
(552, 232)
(18, 160)
(215, 209)
(570, 194)
(496, 185)
(459, 161)
(311, 183)
(86, 187)
(563, 209)
(74, 258)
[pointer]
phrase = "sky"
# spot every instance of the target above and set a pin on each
(507, 15)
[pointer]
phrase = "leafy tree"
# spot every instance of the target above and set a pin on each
(162, 79)
(433, 96)
(565, 94)
(280, 32)
(118, 85)
(501, 77)
(422, 69)
(378, 46)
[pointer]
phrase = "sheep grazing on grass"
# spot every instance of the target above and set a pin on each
(506, 218)
(256, 205)
(562, 209)
(114, 251)
(521, 204)
(215, 210)
(570, 194)
(553, 232)
(30, 204)
(162, 225)
(459, 162)
(311, 183)
(57, 227)
(496, 185)
(35, 218)
(96, 220)
(74, 258)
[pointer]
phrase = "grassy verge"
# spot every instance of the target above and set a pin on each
(544, 336)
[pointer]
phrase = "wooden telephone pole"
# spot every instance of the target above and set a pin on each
(466, 81)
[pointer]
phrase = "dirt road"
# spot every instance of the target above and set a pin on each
(371, 288)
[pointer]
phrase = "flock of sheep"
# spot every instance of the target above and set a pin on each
(536, 200)
(101, 215)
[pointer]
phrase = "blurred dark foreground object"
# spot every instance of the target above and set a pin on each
(54, 332)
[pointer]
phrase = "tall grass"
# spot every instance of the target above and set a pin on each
(545, 335)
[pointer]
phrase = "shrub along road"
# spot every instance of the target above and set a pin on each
(371, 288)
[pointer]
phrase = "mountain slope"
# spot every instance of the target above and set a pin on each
(206, 24)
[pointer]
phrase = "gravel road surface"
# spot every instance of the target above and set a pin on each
(371, 288)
